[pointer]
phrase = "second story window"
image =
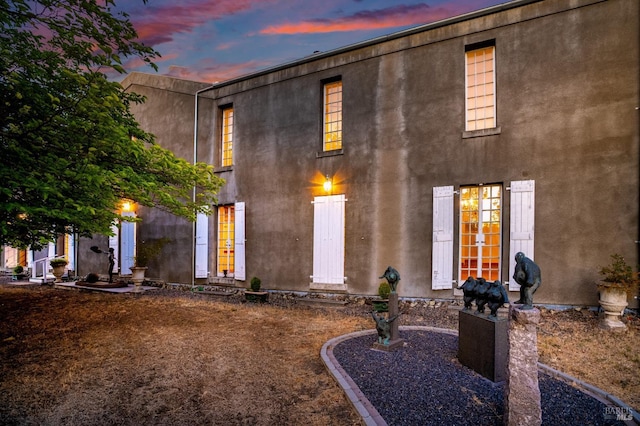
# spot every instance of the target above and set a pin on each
(332, 118)
(227, 137)
(480, 88)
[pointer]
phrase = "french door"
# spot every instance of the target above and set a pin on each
(480, 232)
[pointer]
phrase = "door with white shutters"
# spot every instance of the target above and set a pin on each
(328, 240)
(442, 249)
(522, 224)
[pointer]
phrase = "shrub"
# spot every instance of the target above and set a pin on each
(384, 290)
(255, 284)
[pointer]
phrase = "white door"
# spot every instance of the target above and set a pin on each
(127, 243)
(328, 240)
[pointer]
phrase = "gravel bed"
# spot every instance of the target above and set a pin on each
(424, 384)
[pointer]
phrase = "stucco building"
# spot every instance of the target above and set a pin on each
(441, 150)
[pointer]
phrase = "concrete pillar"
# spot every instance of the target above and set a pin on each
(522, 406)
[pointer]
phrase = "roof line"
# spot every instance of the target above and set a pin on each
(410, 31)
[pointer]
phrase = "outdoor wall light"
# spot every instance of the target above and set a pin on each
(127, 206)
(327, 184)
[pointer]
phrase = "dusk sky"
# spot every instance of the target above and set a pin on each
(215, 40)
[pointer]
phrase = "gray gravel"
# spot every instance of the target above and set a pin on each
(424, 384)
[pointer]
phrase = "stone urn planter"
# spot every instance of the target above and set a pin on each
(619, 281)
(137, 276)
(58, 265)
(613, 301)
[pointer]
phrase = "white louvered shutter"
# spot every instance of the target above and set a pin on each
(240, 270)
(113, 243)
(202, 246)
(522, 226)
(442, 250)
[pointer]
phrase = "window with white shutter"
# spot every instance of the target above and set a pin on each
(522, 226)
(442, 250)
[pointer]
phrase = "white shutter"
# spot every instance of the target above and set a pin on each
(71, 254)
(328, 239)
(522, 224)
(202, 246)
(127, 243)
(113, 243)
(240, 270)
(442, 249)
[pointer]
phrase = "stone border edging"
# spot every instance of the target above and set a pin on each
(370, 415)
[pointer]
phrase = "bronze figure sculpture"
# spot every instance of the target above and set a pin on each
(527, 274)
(383, 327)
(392, 276)
(496, 296)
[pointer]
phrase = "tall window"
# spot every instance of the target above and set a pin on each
(226, 237)
(332, 126)
(227, 136)
(480, 93)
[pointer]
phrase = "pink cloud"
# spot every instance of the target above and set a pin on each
(396, 16)
(210, 72)
(159, 24)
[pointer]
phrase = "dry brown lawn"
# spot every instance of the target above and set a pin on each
(173, 358)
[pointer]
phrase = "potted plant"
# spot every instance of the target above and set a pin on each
(382, 305)
(253, 294)
(58, 265)
(146, 251)
(618, 281)
(18, 272)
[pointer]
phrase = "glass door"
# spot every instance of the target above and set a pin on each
(480, 229)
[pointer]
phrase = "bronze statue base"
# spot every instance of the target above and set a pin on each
(393, 344)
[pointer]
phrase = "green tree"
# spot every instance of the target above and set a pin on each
(71, 149)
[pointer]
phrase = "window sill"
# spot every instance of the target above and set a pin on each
(332, 153)
(223, 169)
(479, 133)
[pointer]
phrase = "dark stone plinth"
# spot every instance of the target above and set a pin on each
(482, 345)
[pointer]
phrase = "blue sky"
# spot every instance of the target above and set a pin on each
(215, 40)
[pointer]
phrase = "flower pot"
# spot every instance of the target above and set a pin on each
(613, 301)
(137, 276)
(58, 272)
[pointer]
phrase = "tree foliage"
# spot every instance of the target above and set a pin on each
(71, 150)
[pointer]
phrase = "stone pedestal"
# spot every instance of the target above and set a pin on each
(482, 344)
(395, 340)
(522, 392)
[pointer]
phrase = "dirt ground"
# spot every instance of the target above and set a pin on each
(173, 358)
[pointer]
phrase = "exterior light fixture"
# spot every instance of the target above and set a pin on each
(126, 206)
(327, 184)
